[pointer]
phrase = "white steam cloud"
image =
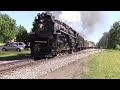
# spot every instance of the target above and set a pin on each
(70, 16)
(90, 19)
(83, 22)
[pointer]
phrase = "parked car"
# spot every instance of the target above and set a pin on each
(18, 46)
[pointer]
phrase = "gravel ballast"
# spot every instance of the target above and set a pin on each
(38, 69)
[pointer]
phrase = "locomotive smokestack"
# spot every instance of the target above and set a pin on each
(55, 14)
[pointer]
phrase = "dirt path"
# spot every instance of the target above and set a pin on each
(71, 71)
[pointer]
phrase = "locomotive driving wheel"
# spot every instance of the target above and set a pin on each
(54, 53)
(70, 51)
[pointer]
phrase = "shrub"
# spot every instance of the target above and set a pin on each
(117, 47)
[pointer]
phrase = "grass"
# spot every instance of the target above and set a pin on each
(2, 44)
(104, 65)
(13, 53)
(10, 56)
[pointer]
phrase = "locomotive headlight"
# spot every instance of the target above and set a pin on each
(41, 20)
(40, 25)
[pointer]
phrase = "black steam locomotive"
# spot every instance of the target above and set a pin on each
(51, 37)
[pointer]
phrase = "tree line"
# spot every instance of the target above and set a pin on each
(9, 30)
(111, 39)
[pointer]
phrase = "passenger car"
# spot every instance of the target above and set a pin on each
(18, 46)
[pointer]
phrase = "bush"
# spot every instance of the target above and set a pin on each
(117, 47)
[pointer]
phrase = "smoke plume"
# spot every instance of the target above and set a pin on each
(83, 22)
(90, 19)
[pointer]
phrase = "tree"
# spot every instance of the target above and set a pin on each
(7, 28)
(92, 43)
(22, 35)
(103, 43)
(114, 37)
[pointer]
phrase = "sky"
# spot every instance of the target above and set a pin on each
(26, 19)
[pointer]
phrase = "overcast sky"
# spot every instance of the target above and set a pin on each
(26, 19)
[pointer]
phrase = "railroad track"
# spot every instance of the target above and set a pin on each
(12, 66)
(6, 67)
(80, 52)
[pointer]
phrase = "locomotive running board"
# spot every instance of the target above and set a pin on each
(41, 41)
(68, 34)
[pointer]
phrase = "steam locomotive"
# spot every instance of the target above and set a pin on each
(51, 37)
